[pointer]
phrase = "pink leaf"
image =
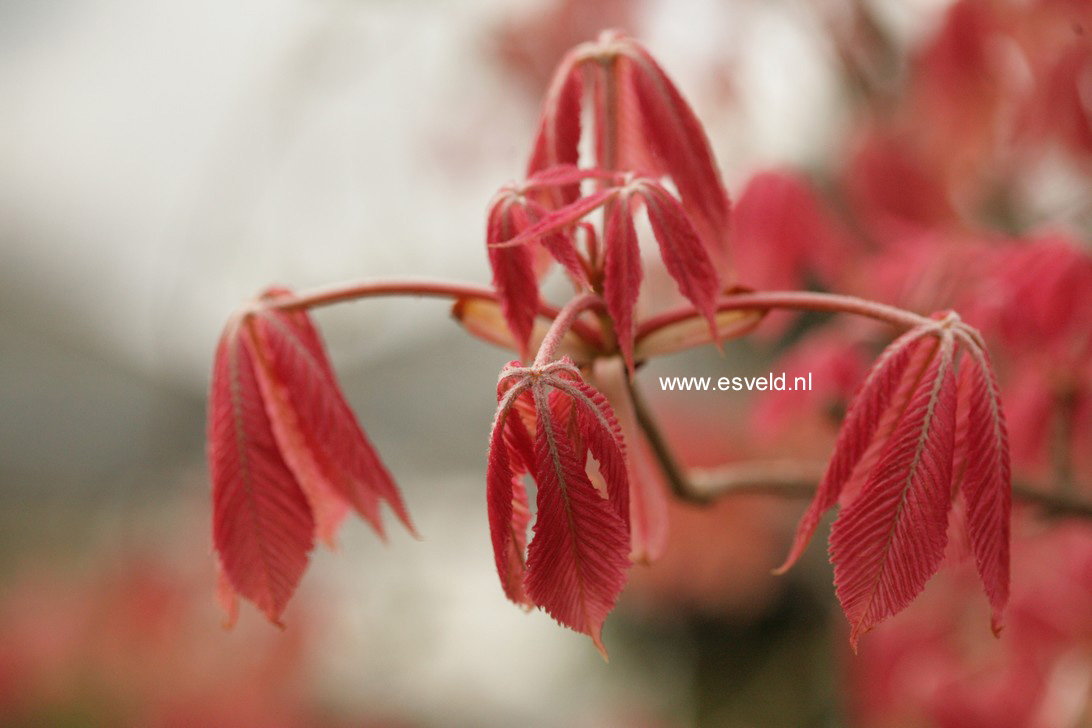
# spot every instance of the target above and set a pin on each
(513, 271)
(781, 233)
(622, 275)
(559, 220)
(986, 484)
(858, 432)
(564, 175)
(262, 526)
(888, 542)
(683, 254)
(558, 139)
(577, 561)
(317, 430)
(507, 502)
(559, 244)
(648, 514)
(600, 433)
(679, 142)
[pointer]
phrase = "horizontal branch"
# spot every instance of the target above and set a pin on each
(794, 301)
(789, 479)
(418, 287)
(794, 479)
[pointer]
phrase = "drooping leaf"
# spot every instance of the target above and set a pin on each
(548, 422)
(986, 484)
(600, 432)
(888, 542)
(578, 558)
(563, 413)
(329, 505)
(513, 271)
(634, 151)
(324, 437)
(558, 139)
(262, 526)
(622, 274)
(506, 499)
(858, 432)
(684, 256)
(676, 136)
(648, 515)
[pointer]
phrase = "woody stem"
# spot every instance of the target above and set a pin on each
(789, 479)
(792, 479)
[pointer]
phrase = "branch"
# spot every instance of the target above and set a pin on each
(794, 300)
(563, 321)
(793, 479)
(420, 287)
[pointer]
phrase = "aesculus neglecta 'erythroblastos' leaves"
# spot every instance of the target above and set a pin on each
(622, 273)
(655, 130)
(984, 486)
(558, 139)
(890, 539)
(685, 258)
(648, 514)
(287, 456)
(681, 250)
(857, 433)
(673, 132)
(548, 421)
(893, 472)
(513, 269)
(262, 527)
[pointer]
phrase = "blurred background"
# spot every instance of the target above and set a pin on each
(162, 162)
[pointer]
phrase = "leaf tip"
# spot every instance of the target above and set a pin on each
(854, 638)
(598, 641)
(273, 613)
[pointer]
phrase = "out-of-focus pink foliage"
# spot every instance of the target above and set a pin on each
(129, 644)
(783, 238)
(837, 362)
(937, 667)
(716, 559)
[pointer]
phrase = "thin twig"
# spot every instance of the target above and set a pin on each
(794, 300)
(676, 478)
(419, 287)
(792, 479)
(1065, 406)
